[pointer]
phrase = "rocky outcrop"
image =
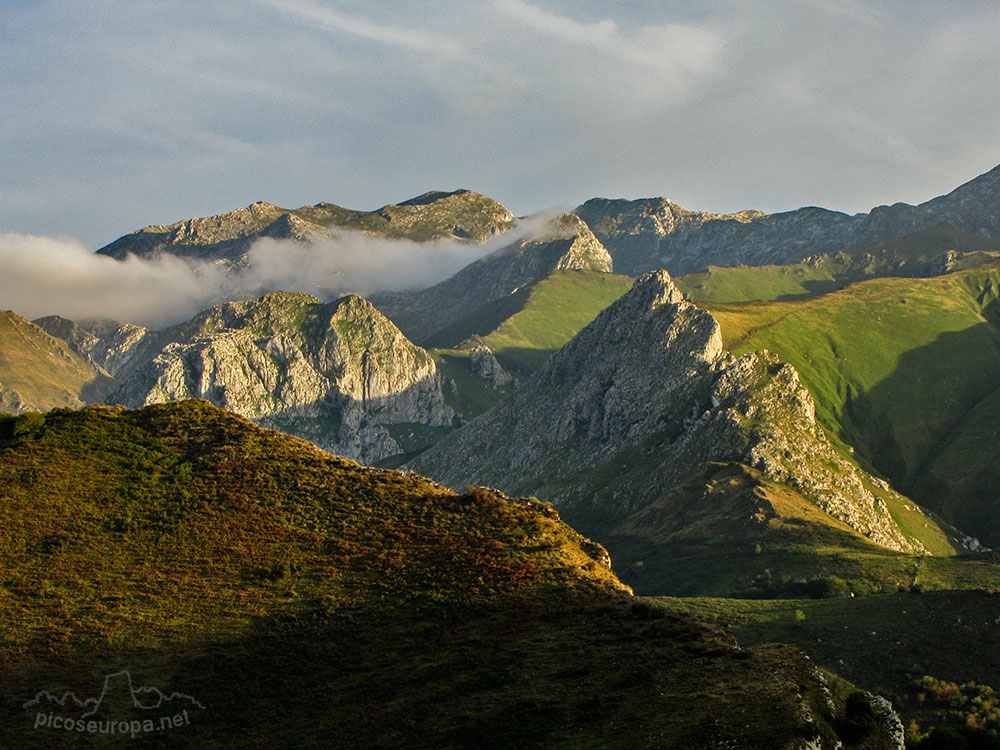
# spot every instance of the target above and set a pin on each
(636, 401)
(227, 238)
(565, 243)
(334, 373)
(109, 345)
(653, 232)
(485, 364)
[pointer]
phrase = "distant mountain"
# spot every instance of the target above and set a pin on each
(227, 237)
(651, 233)
(337, 373)
(383, 609)
(565, 243)
(40, 372)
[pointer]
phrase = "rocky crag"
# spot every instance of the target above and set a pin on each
(653, 232)
(335, 373)
(227, 237)
(566, 243)
(641, 397)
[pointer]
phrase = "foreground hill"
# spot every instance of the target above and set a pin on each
(181, 547)
(227, 237)
(39, 371)
(651, 233)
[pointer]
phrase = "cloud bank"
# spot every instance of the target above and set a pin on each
(62, 276)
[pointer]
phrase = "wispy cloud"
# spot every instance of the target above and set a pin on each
(411, 38)
(670, 47)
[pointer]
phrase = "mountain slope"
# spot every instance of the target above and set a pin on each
(904, 370)
(636, 401)
(40, 372)
(227, 237)
(335, 373)
(563, 244)
(652, 233)
(200, 552)
(728, 530)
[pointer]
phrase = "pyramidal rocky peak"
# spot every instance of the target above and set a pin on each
(650, 378)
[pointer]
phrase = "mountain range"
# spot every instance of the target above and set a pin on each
(749, 405)
(651, 233)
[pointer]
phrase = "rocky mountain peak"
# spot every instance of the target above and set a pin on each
(225, 226)
(652, 290)
(227, 237)
(334, 373)
(640, 398)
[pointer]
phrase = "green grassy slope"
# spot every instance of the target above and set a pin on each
(42, 369)
(899, 368)
(929, 252)
(522, 330)
(761, 283)
(526, 327)
(305, 600)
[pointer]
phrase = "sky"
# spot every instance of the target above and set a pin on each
(116, 114)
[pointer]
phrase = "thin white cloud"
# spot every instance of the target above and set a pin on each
(669, 47)
(415, 39)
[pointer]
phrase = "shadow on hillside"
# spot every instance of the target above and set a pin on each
(924, 407)
(98, 389)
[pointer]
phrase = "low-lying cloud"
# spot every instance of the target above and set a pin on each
(62, 276)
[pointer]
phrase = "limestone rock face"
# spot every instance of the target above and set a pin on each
(641, 397)
(634, 371)
(227, 238)
(336, 374)
(764, 417)
(485, 364)
(566, 243)
(653, 232)
(109, 345)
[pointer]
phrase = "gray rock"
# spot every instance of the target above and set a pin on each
(566, 243)
(336, 374)
(636, 401)
(484, 363)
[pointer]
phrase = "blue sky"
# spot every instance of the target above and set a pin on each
(120, 114)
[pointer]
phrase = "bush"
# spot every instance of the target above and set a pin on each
(28, 423)
(826, 587)
(859, 719)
